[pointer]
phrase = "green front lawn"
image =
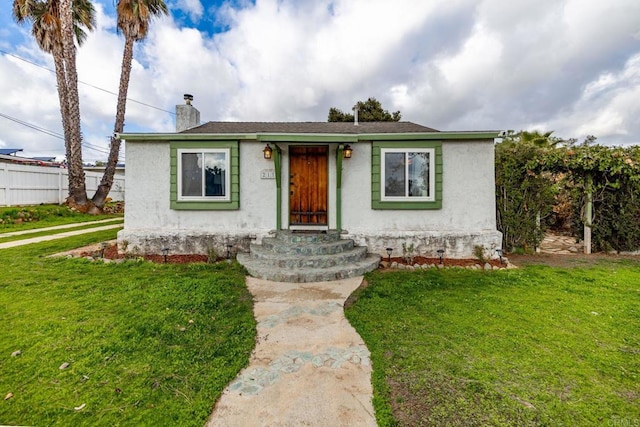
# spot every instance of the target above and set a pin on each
(147, 344)
(534, 346)
(17, 218)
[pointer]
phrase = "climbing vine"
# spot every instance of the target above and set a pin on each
(600, 185)
(524, 193)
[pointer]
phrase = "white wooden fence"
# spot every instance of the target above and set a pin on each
(32, 185)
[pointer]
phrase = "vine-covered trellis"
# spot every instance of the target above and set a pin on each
(601, 183)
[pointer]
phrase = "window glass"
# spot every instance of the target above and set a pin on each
(215, 174)
(418, 174)
(394, 172)
(191, 175)
(407, 174)
(204, 174)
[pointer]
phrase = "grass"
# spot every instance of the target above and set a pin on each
(32, 233)
(534, 346)
(147, 344)
(19, 218)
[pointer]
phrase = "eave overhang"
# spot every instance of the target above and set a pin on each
(308, 137)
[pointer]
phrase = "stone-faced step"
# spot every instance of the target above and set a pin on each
(294, 236)
(291, 261)
(324, 248)
(265, 270)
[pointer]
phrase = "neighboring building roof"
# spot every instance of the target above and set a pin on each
(9, 151)
(309, 127)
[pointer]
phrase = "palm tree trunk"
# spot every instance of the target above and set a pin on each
(62, 95)
(110, 169)
(77, 188)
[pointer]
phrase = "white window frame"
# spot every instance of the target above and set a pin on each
(405, 151)
(203, 151)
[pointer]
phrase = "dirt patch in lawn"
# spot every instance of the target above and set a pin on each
(570, 261)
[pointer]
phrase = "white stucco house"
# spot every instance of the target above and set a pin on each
(380, 184)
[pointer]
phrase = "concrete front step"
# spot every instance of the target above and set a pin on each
(298, 260)
(293, 236)
(277, 245)
(265, 269)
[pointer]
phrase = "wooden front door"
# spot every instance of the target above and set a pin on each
(308, 167)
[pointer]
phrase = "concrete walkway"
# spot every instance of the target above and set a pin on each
(58, 235)
(309, 367)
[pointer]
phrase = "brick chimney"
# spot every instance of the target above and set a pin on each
(187, 116)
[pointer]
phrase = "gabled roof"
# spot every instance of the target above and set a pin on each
(309, 127)
(325, 132)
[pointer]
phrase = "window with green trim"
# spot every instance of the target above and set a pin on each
(205, 175)
(202, 174)
(406, 175)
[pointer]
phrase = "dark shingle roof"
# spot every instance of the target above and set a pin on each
(309, 127)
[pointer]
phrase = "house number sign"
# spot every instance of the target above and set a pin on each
(267, 174)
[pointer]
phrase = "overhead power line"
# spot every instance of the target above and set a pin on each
(87, 84)
(52, 133)
(32, 126)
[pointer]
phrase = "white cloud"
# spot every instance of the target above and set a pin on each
(607, 108)
(193, 8)
(569, 66)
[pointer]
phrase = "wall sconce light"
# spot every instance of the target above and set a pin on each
(267, 152)
(165, 252)
(499, 251)
(441, 255)
(347, 151)
(389, 250)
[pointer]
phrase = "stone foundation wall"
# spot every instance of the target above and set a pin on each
(427, 243)
(184, 242)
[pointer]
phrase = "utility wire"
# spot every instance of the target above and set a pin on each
(52, 133)
(32, 126)
(87, 84)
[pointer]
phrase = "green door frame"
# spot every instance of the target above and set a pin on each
(277, 160)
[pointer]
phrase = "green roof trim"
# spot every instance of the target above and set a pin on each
(309, 137)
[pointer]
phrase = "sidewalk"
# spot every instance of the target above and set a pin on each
(58, 235)
(309, 367)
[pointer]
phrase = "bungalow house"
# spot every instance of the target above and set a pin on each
(309, 200)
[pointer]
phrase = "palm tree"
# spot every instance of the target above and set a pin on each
(134, 17)
(56, 23)
(540, 139)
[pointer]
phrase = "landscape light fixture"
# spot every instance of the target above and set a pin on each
(104, 246)
(229, 246)
(346, 153)
(441, 255)
(165, 252)
(267, 152)
(389, 250)
(499, 251)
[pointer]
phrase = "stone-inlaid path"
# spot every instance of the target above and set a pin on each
(559, 244)
(309, 367)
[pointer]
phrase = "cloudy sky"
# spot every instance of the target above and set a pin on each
(571, 66)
